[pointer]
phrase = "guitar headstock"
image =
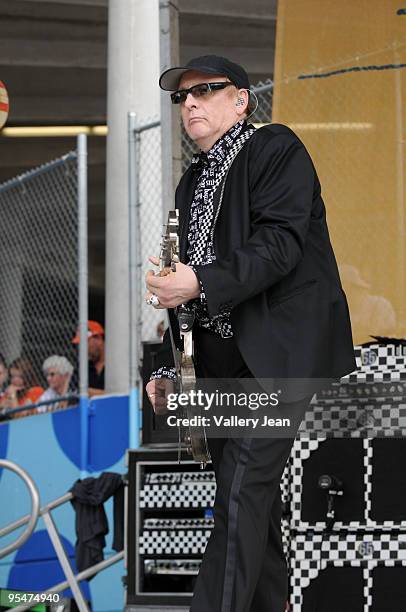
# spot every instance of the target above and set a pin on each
(170, 241)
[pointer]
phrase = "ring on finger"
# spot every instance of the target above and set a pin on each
(153, 300)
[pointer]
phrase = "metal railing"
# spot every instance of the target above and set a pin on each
(8, 413)
(72, 580)
(31, 519)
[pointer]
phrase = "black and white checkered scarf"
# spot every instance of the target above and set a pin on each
(213, 168)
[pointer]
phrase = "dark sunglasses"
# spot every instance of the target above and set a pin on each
(197, 91)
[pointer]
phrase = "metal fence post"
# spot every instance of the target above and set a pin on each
(83, 302)
(134, 282)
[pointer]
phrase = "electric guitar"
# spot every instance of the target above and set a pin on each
(193, 437)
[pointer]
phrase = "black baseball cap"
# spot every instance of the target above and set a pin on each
(209, 64)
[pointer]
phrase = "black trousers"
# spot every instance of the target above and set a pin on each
(244, 567)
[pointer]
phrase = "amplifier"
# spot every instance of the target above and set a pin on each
(373, 482)
(357, 572)
(169, 520)
(177, 489)
(386, 362)
(355, 432)
(362, 417)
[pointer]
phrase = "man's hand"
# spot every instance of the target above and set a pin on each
(173, 288)
(158, 391)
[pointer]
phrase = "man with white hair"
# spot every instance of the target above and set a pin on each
(58, 371)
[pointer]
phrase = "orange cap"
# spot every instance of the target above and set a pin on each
(93, 329)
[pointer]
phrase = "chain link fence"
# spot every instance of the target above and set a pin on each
(146, 221)
(150, 190)
(264, 93)
(39, 264)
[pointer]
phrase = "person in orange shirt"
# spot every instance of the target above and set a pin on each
(22, 390)
(96, 353)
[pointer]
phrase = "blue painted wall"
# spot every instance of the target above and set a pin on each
(47, 446)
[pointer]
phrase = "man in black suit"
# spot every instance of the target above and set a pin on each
(260, 275)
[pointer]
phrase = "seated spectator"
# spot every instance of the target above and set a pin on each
(3, 376)
(58, 372)
(95, 347)
(23, 389)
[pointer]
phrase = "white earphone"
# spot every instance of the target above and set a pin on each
(240, 102)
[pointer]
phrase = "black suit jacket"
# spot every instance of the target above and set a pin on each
(275, 267)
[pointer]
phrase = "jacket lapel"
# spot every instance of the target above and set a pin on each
(184, 197)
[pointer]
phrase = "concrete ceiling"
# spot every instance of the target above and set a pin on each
(53, 54)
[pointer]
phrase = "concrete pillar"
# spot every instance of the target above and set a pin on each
(133, 72)
(170, 115)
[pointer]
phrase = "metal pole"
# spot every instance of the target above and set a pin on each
(33, 517)
(83, 303)
(133, 69)
(400, 183)
(64, 562)
(24, 519)
(134, 282)
(263, 88)
(171, 147)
